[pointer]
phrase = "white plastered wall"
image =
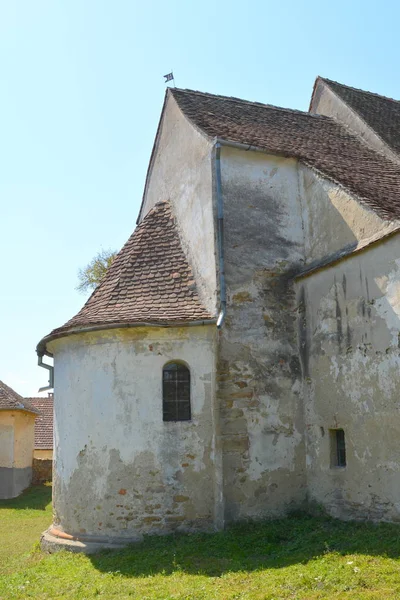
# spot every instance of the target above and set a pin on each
(181, 173)
(351, 363)
(119, 469)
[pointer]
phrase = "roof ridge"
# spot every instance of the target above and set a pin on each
(251, 102)
(326, 118)
(349, 87)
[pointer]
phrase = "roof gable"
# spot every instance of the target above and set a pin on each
(380, 113)
(149, 281)
(318, 141)
(10, 400)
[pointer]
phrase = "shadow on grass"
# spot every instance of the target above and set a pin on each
(36, 497)
(250, 547)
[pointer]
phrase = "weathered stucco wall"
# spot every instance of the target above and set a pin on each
(326, 102)
(350, 340)
(42, 470)
(24, 439)
(259, 379)
(333, 219)
(17, 431)
(120, 470)
(181, 172)
(6, 439)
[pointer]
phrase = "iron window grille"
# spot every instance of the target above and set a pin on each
(176, 392)
(338, 448)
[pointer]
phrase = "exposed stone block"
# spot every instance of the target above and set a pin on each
(235, 426)
(235, 444)
(42, 471)
(151, 519)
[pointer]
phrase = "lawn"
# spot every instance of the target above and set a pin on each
(297, 558)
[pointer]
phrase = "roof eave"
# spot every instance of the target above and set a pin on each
(383, 214)
(344, 253)
(252, 148)
(36, 413)
(41, 348)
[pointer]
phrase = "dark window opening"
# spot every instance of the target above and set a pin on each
(338, 448)
(176, 392)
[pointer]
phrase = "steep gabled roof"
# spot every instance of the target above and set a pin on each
(380, 113)
(10, 400)
(149, 281)
(318, 141)
(44, 422)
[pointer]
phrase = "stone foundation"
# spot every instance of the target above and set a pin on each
(42, 471)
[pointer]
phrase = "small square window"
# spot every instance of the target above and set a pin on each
(338, 448)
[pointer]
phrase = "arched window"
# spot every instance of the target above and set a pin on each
(176, 392)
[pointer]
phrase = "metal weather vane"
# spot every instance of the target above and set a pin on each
(169, 77)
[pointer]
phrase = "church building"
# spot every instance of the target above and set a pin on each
(241, 357)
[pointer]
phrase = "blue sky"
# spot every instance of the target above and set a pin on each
(82, 89)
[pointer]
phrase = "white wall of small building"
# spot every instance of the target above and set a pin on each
(351, 361)
(120, 470)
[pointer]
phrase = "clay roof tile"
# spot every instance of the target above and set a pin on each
(382, 114)
(44, 423)
(137, 289)
(318, 141)
(10, 400)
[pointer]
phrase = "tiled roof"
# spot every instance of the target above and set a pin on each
(150, 280)
(380, 113)
(44, 423)
(10, 400)
(318, 141)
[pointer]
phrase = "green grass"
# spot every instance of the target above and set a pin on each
(21, 522)
(300, 558)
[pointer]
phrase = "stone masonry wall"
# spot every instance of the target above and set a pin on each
(259, 378)
(120, 470)
(42, 471)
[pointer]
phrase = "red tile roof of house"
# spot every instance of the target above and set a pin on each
(10, 400)
(44, 423)
(318, 141)
(149, 281)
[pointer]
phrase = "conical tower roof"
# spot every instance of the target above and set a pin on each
(149, 281)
